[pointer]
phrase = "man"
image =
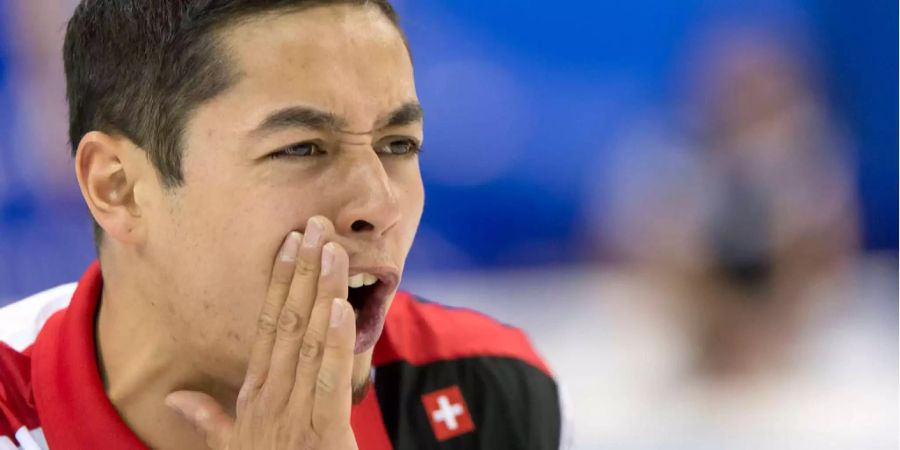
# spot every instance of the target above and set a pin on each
(252, 169)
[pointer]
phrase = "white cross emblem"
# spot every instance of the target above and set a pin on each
(447, 413)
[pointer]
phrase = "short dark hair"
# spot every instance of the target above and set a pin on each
(138, 67)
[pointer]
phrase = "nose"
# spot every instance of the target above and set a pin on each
(372, 207)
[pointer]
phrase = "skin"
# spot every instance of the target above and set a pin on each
(187, 270)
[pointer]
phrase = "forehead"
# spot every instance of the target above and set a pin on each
(347, 59)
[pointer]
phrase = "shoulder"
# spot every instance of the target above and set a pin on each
(423, 331)
(21, 321)
(488, 368)
(17, 408)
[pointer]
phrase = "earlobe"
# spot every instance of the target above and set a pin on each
(107, 178)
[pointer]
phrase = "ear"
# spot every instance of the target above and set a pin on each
(108, 173)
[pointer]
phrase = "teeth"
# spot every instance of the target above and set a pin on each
(356, 280)
(361, 279)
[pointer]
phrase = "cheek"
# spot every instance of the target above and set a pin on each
(412, 203)
(217, 257)
(406, 179)
(418, 201)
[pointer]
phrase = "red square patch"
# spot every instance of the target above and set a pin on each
(448, 413)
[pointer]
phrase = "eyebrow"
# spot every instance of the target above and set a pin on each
(314, 119)
(409, 113)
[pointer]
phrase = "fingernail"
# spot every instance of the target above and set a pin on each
(174, 407)
(289, 247)
(313, 233)
(337, 312)
(327, 258)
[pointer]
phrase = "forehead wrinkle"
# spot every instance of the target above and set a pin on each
(356, 133)
(360, 139)
(409, 113)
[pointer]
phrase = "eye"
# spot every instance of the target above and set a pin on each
(297, 150)
(400, 147)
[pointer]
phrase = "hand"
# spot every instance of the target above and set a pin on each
(297, 391)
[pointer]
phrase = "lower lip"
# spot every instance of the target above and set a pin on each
(370, 321)
(368, 330)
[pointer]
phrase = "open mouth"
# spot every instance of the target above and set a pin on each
(368, 294)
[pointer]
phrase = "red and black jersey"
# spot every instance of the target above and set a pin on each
(444, 378)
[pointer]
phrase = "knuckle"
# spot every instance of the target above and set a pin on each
(326, 382)
(311, 347)
(289, 322)
(266, 322)
(306, 268)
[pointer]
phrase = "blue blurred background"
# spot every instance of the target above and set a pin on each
(526, 103)
(716, 151)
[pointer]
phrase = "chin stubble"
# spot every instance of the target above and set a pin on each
(360, 389)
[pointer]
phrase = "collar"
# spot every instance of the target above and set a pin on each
(73, 407)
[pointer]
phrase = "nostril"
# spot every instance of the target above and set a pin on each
(362, 225)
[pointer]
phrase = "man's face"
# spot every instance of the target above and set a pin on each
(249, 181)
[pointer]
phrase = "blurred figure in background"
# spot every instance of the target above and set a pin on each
(728, 234)
(780, 216)
(742, 210)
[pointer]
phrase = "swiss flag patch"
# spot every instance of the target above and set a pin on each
(448, 413)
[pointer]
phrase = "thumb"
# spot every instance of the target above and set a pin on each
(205, 414)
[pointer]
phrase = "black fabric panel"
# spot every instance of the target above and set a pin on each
(514, 405)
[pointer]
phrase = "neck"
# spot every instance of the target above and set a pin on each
(140, 363)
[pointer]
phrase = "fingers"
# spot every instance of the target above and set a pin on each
(333, 395)
(279, 285)
(332, 284)
(295, 314)
(303, 352)
(205, 414)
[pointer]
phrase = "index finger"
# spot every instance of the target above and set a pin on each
(279, 284)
